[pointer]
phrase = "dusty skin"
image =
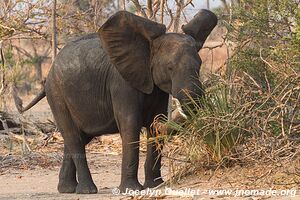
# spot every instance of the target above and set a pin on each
(104, 156)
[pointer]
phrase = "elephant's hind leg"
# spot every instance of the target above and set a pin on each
(74, 142)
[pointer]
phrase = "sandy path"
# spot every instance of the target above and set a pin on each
(42, 183)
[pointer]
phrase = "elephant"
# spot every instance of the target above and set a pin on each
(116, 81)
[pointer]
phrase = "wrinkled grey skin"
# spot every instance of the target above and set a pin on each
(118, 82)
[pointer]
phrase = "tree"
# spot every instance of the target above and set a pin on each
(207, 4)
(54, 38)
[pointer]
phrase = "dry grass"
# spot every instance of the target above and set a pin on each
(241, 122)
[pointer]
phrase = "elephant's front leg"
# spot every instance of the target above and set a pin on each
(130, 133)
(127, 106)
(67, 175)
(153, 162)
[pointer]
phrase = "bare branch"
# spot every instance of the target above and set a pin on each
(187, 3)
(140, 10)
(54, 41)
(214, 47)
(171, 16)
(185, 18)
(1, 53)
(155, 7)
(162, 5)
(124, 5)
(179, 4)
(3, 79)
(149, 8)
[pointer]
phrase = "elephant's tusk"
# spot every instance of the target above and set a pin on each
(178, 115)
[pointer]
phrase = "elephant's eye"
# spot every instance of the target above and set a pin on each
(170, 68)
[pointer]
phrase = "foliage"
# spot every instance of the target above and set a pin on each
(25, 31)
(214, 125)
(79, 17)
(252, 111)
(17, 72)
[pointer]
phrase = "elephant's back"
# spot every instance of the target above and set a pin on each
(80, 59)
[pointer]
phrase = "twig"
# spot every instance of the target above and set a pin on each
(171, 16)
(149, 8)
(139, 8)
(214, 46)
(162, 5)
(2, 71)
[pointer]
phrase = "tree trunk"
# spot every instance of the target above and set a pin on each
(38, 69)
(3, 84)
(124, 5)
(162, 5)
(149, 8)
(54, 33)
(178, 15)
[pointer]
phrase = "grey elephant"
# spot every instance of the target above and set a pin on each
(118, 80)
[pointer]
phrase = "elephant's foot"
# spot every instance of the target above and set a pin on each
(150, 183)
(130, 185)
(67, 186)
(86, 188)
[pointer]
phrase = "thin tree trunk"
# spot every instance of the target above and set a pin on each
(139, 8)
(38, 70)
(179, 5)
(207, 4)
(3, 80)
(170, 107)
(162, 5)
(124, 5)
(149, 8)
(54, 33)
(2, 70)
(178, 14)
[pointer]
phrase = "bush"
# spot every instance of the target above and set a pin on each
(252, 110)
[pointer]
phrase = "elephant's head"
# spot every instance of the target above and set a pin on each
(145, 55)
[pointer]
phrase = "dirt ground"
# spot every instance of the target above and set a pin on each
(35, 176)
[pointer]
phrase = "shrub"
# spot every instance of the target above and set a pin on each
(252, 110)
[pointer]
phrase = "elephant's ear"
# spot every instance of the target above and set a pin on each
(127, 39)
(201, 26)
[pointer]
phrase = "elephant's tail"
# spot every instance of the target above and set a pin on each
(19, 102)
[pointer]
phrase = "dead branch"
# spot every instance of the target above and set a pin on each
(54, 33)
(179, 4)
(214, 46)
(149, 8)
(10, 130)
(140, 10)
(162, 5)
(124, 4)
(171, 16)
(13, 124)
(2, 71)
